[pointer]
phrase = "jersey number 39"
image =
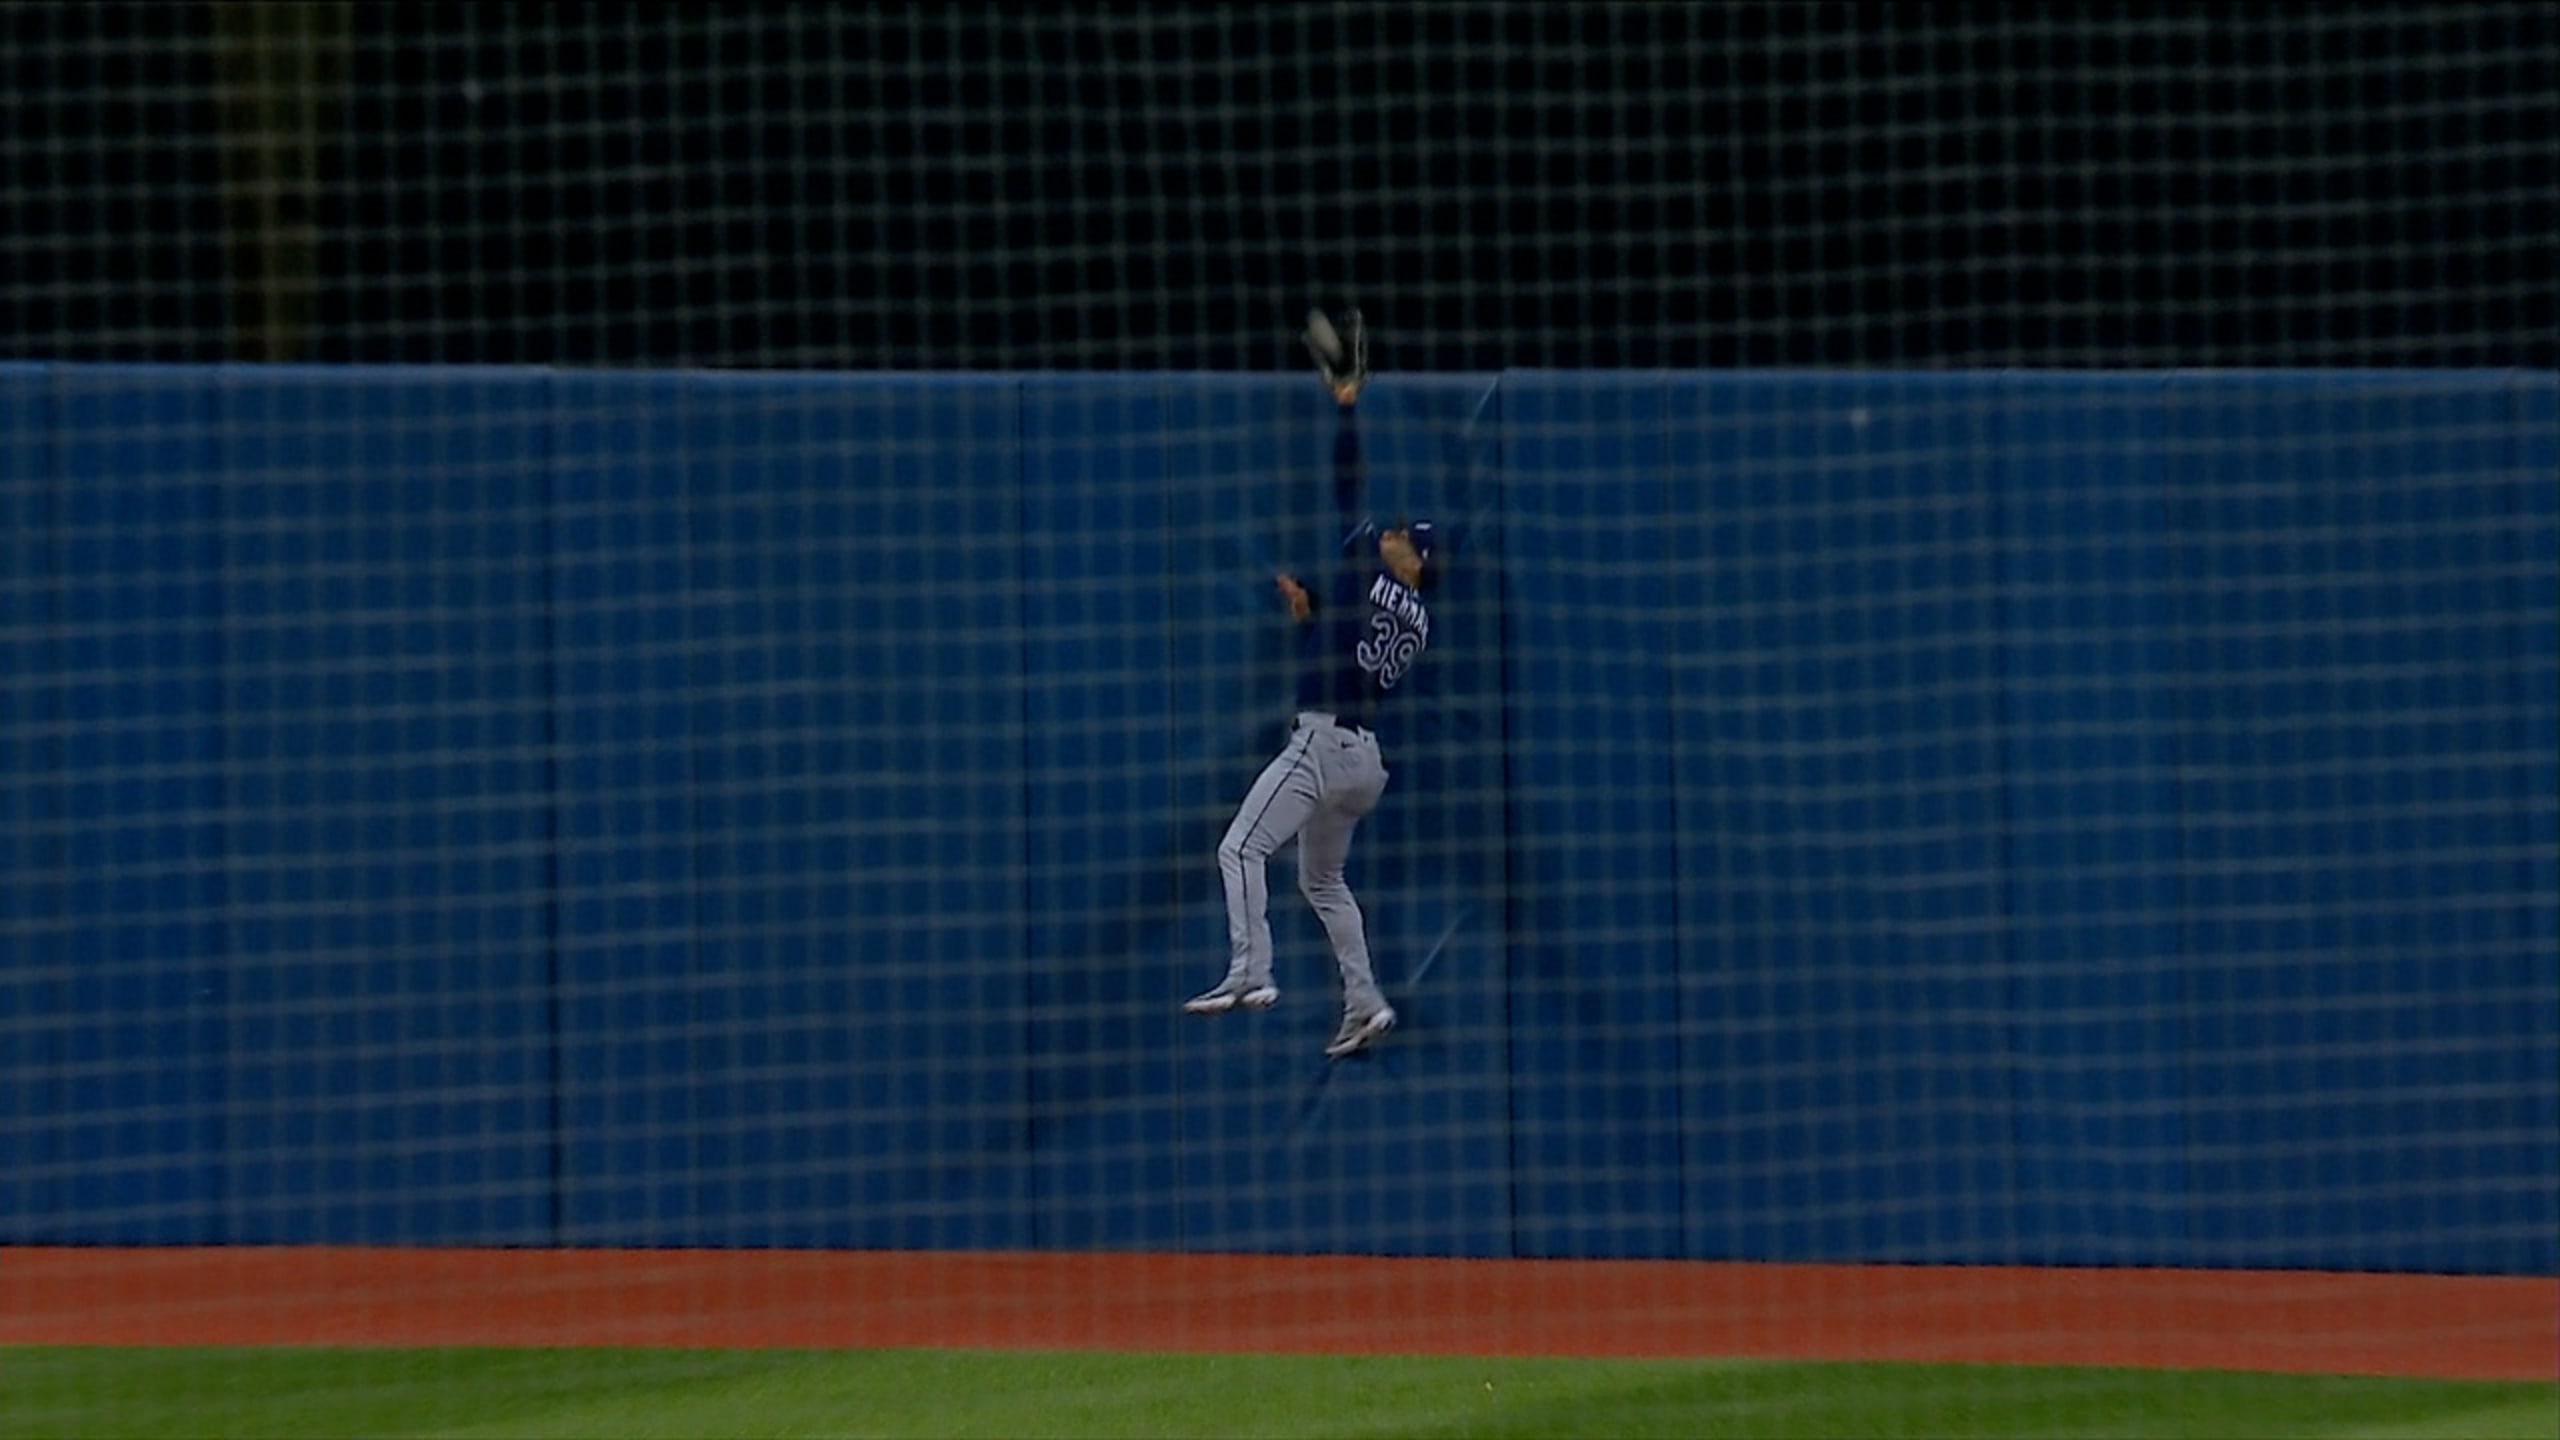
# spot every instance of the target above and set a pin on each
(1389, 649)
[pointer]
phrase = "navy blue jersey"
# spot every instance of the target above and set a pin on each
(1368, 627)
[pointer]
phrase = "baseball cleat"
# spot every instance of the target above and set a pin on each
(1359, 1032)
(1233, 994)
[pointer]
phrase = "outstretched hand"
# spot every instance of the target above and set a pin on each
(1300, 607)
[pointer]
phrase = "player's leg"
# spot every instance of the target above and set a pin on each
(1273, 811)
(1354, 779)
(1323, 848)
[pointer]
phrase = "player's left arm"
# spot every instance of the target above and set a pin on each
(1350, 491)
(1350, 475)
(1351, 483)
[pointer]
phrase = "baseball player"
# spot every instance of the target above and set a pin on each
(1360, 631)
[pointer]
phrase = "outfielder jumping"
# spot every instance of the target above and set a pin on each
(1360, 631)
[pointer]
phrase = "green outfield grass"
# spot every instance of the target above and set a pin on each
(281, 1394)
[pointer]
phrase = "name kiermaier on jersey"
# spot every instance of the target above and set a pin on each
(1390, 595)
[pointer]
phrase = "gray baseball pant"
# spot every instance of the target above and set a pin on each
(1316, 790)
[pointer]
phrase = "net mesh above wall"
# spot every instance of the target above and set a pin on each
(1570, 186)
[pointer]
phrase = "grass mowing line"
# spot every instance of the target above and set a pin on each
(284, 1394)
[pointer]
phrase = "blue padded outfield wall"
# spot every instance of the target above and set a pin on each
(2033, 818)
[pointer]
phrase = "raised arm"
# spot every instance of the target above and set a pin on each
(1343, 572)
(1341, 353)
(1350, 477)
